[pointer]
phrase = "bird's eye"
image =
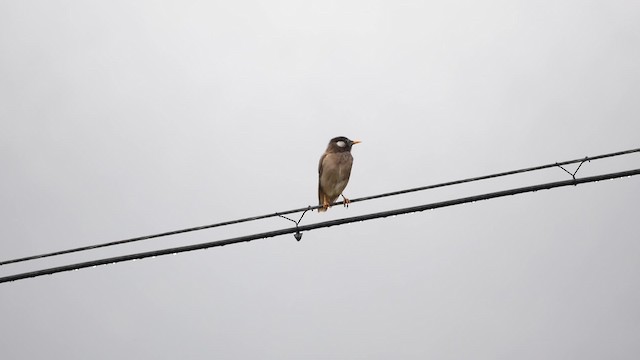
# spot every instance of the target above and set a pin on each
(341, 143)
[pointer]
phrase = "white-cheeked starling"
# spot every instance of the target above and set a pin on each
(334, 171)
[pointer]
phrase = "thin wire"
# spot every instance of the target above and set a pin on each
(506, 173)
(253, 218)
(264, 235)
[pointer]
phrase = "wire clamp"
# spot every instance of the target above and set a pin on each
(573, 174)
(298, 234)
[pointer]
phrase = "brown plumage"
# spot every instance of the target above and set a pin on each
(334, 171)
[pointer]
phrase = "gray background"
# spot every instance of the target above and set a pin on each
(126, 118)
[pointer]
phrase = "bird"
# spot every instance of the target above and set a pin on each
(334, 171)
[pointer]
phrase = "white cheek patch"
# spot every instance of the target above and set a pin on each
(341, 143)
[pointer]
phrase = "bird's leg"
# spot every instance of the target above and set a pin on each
(325, 204)
(346, 201)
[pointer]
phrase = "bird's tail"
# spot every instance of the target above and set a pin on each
(322, 199)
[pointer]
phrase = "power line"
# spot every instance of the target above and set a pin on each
(260, 217)
(264, 235)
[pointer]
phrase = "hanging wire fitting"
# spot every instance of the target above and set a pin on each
(573, 174)
(297, 234)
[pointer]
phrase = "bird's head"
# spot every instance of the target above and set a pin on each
(341, 144)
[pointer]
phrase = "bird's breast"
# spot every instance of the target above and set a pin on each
(336, 170)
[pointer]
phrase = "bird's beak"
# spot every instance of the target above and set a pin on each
(356, 142)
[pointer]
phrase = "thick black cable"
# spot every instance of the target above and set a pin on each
(259, 217)
(269, 234)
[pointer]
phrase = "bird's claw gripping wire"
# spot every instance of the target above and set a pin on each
(298, 234)
(346, 201)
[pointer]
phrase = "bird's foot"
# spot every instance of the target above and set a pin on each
(346, 201)
(325, 206)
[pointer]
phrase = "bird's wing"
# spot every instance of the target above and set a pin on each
(320, 163)
(321, 194)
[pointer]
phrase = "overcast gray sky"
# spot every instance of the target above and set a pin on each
(127, 118)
